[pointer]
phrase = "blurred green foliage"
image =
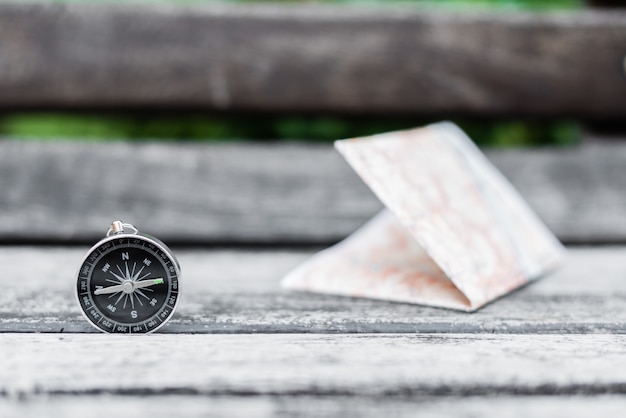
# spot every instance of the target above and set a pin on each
(200, 127)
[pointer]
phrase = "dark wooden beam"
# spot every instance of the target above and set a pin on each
(613, 4)
(312, 58)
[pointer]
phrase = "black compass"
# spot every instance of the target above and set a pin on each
(128, 282)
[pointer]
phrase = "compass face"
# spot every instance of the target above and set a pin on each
(128, 284)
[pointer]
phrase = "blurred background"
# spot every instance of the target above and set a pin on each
(211, 125)
(222, 114)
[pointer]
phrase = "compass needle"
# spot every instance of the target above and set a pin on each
(146, 283)
(110, 289)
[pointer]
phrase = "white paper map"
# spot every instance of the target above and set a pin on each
(455, 233)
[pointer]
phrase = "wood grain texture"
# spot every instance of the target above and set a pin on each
(552, 348)
(268, 193)
(374, 366)
(229, 292)
(312, 58)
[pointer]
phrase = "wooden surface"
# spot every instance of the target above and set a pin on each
(241, 346)
(268, 193)
(312, 58)
(501, 406)
(323, 365)
(228, 292)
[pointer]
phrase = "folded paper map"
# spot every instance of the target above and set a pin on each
(454, 233)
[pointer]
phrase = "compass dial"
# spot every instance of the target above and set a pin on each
(128, 284)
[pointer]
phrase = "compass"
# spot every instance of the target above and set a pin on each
(128, 282)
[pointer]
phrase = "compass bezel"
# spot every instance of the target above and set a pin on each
(145, 239)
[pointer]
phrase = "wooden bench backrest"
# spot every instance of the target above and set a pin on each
(293, 59)
(313, 59)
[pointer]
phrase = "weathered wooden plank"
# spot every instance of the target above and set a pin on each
(320, 406)
(323, 365)
(220, 193)
(312, 58)
(227, 292)
(270, 193)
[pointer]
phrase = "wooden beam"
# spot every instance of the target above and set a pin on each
(279, 194)
(233, 292)
(551, 346)
(372, 366)
(312, 58)
(165, 405)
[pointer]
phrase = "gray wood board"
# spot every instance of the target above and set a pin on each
(312, 58)
(503, 406)
(229, 292)
(374, 366)
(278, 194)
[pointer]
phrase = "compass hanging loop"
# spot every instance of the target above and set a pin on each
(119, 227)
